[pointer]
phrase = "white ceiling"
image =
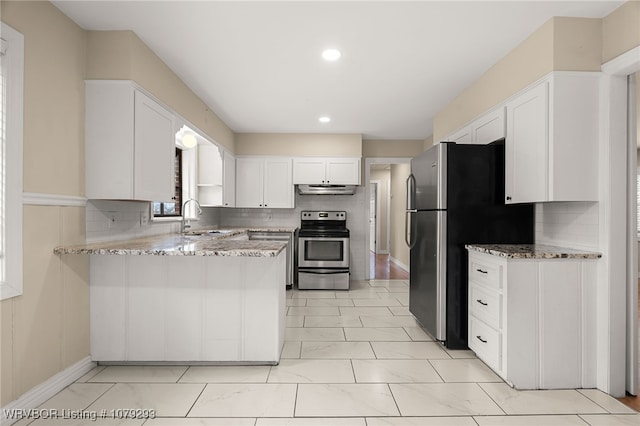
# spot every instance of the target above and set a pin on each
(258, 64)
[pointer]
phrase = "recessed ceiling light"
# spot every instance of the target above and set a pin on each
(331, 54)
(324, 119)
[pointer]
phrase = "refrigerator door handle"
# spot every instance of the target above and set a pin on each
(411, 192)
(408, 236)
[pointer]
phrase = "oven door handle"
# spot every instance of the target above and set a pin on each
(323, 271)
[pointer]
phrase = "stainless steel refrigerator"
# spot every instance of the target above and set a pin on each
(455, 196)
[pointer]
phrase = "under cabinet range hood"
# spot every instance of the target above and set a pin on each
(326, 189)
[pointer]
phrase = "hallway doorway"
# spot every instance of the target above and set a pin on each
(388, 254)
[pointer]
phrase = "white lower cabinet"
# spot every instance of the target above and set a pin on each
(187, 308)
(530, 320)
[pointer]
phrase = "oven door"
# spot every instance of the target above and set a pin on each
(323, 252)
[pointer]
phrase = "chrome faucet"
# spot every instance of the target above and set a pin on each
(185, 222)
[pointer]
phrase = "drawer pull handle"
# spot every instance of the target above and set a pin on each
(481, 339)
(481, 302)
(481, 271)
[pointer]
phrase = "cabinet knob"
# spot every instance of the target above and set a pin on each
(265, 205)
(508, 198)
(481, 339)
(481, 302)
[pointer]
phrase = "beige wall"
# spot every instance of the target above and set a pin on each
(299, 145)
(384, 176)
(621, 30)
(46, 329)
(391, 148)
(428, 142)
(121, 55)
(560, 44)
(397, 247)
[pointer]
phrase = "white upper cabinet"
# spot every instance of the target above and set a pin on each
(551, 145)
(483, 130)
(462, 136)
(229, 180)
(130, 143)
(490, 127)
(264, 182)
(328, 171)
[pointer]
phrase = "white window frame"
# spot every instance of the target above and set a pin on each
(11, 162)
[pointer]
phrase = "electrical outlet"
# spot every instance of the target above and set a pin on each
(111, 219)
(269, 217)
(144, 218)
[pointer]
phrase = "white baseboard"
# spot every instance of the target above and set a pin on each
(398, 263)
(45, 390)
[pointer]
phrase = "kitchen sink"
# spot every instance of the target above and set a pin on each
(204, 232)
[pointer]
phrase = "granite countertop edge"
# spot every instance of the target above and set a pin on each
(186, 245)
(532, 251)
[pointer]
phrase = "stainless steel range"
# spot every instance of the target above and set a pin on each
(323, 251)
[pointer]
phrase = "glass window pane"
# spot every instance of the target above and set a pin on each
(156, 208)
(169, 208)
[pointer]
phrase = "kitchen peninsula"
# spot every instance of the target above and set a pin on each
(208, 297)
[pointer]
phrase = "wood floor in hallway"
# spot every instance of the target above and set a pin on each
(382, 268)
(634, 401)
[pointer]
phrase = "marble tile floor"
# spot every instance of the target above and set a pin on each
(353, 358)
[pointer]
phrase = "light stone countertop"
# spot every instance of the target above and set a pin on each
(193, 243)
(532, 251)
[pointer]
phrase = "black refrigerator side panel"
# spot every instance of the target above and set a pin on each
(477, 215)
(423, 276)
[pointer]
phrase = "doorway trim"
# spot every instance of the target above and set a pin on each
(368, 161)
(617, 343)
(376, 246)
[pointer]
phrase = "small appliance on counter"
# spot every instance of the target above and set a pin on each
(455, 196)
(323, 251)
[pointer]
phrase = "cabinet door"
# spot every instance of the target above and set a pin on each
(489, 127)
(109, 128)
(278, 186)
(229, 180)
(154, 145)
(526, 146)
(343, 171)
(309, 171)
(249, 182)
(463, 136)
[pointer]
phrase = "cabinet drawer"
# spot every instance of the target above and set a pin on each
(486, 343)
(485, 272)
(486, 304)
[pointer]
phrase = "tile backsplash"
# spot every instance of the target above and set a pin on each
(568, 224)
(109, 220)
